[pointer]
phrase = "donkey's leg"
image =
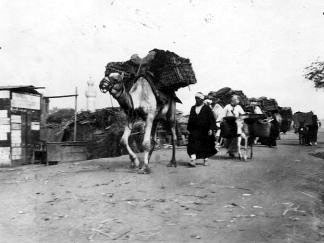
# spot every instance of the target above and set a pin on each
(147, 142)
(239, 140)
(173, 161)
(124, 140)
(246, 142)
(243, 151)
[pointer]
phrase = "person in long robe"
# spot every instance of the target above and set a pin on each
(313, 130)
(201, 127)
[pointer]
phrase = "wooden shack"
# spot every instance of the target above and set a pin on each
(20, 114)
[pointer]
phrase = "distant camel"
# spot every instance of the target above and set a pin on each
(141, 102)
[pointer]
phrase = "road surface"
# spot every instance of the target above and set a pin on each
(276, 197)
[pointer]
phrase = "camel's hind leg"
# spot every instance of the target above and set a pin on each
(124, 140)
(147, 142)
(171, 118)
(153, 142)
(173, 161)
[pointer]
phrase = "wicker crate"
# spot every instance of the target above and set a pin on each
(303, 118)
(228, 127)
(261, 129)
(176, 76)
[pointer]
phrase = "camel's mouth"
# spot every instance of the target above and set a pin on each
(105, 85)
(108, 82)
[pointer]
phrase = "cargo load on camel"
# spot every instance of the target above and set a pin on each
(225, 94)
(302, 119)
(168, 70)
(287, 118)
(268, 104)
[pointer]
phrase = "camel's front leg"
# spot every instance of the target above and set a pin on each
(147, 142)
(124, 140)
(173, 161)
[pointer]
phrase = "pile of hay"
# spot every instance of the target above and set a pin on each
(103, 130)
(287, 118)
(268, 104)
(59, 116)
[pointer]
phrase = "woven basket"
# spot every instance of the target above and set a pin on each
(261, 129)
(228, 128)
(176, 76)
(285, 125)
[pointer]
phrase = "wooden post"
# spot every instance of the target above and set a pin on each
(75, 114)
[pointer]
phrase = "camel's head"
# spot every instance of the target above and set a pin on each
(113, 83)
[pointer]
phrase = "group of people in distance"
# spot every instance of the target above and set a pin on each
(309, 131)
(204, 126)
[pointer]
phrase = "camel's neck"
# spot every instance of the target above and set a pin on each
(125, 101)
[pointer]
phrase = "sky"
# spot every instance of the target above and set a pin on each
(258, 46)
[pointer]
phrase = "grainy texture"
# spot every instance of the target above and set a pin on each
(277, 197)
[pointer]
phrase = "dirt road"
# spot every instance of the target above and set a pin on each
(276, 197)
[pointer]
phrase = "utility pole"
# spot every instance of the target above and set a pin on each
(75, 113)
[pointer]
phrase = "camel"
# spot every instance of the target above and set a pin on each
(141, 102)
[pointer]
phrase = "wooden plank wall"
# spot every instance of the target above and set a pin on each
(5, 134)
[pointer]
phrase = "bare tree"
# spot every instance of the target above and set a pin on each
(315, 73)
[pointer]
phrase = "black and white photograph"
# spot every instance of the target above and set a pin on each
(169, 121)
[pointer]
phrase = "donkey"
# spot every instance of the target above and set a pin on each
(238, 142)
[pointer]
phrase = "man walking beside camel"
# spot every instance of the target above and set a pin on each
(201, 126)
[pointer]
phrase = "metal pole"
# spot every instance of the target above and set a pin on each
(75, 114)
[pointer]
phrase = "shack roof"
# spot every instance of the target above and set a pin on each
(22, 88)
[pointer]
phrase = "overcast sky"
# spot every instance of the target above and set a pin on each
(258, 46)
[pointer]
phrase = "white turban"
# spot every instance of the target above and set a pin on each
(199, 95)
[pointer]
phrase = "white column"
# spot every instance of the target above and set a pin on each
(91, 95)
